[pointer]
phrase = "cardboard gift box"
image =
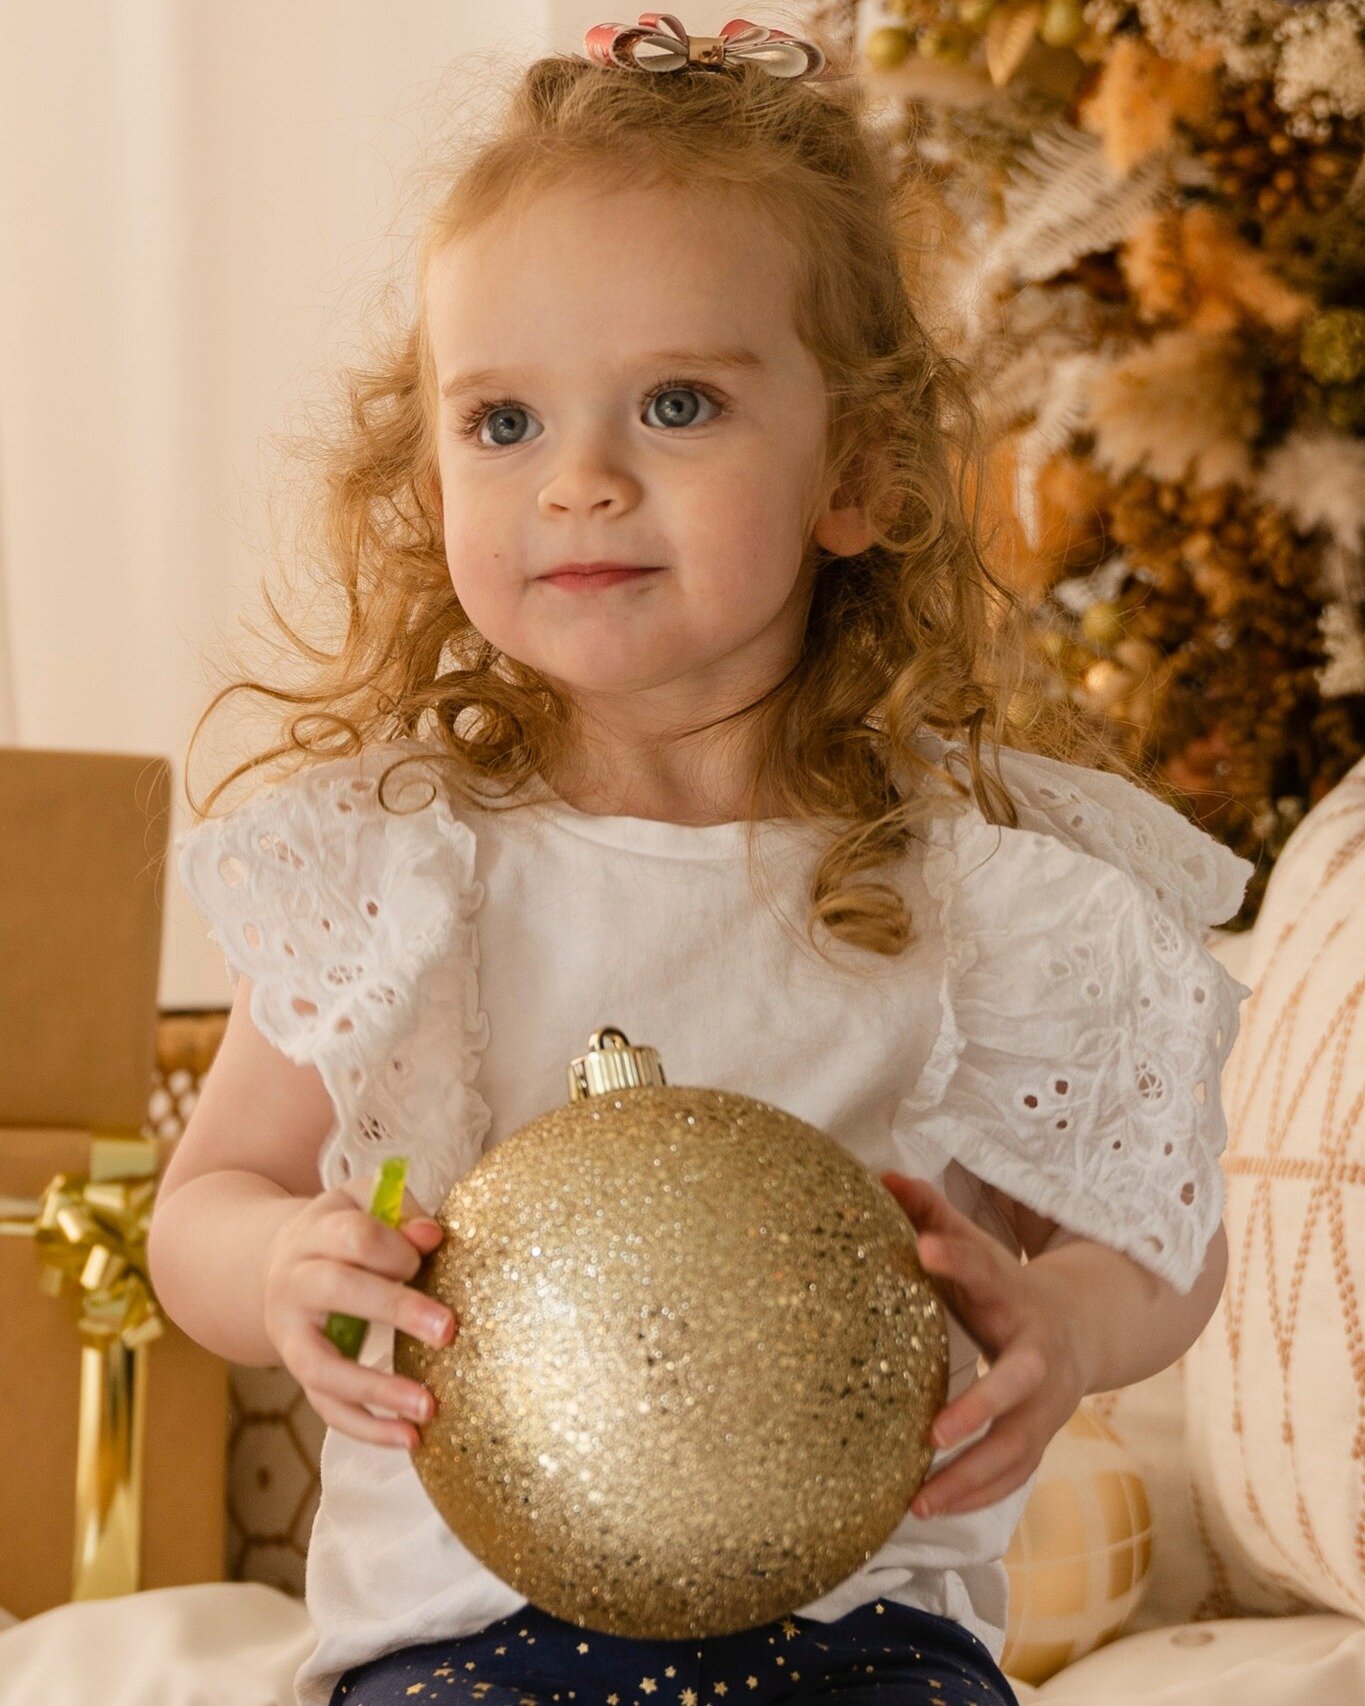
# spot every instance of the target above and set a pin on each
(114, 1425)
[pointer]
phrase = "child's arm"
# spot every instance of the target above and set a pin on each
(1128, 1322)
(245, 1165)
(1078, 1317)
(251, 1258)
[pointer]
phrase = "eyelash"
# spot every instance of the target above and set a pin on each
(472, 418)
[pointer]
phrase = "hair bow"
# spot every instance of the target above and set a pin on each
(777, 52)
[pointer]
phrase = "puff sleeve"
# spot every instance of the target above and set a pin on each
(1083, 1021)
(355, 924)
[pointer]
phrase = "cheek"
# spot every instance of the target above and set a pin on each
(482, 566)
(744, 543)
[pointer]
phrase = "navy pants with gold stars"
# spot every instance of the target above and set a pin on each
(881, 1654)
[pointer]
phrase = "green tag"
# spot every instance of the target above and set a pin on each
(347, 1332)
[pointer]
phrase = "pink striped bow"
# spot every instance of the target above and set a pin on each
(777, 52)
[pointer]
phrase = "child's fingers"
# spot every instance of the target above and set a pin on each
(416, 1225)
(355, 1420)
(335, 1376)
(1016, 1376)
(964, 1259)
(928, 1210)
(1000, 1454)
(424, 1233)
(978, 1497)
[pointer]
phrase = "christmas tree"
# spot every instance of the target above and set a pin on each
(1145, 235)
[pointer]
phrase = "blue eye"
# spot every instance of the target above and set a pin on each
(677, 412)
(675, 391)
(497, 414)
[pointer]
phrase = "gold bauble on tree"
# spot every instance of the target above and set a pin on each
(696, 1363)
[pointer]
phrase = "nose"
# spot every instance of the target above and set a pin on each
(587, 478)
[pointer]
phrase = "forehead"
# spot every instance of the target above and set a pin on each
(577, 270)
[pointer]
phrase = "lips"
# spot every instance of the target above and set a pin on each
(587, 576)
(598, 568)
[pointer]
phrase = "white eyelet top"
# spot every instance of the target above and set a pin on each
(1057, 1029)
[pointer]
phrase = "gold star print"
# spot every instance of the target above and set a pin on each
(880, 1608)
(688, 1697)
(671, 1671)
(722, 1688)
(751, 1682)
(416, 1688)
(796, 1676)
(789, 1628)
(648, 1685)
(613, 1700)
(500, 1650)
(779, 1660)
(469, 1666)
(582, 1646)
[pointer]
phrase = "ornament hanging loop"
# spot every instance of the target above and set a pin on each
(612, 1063)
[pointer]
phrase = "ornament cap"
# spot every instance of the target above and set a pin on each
(612, 1063)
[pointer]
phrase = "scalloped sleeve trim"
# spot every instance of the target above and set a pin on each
(1192, 874)
(357, 926)
(1083, 1030)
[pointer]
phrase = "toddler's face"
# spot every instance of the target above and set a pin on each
(588, 441)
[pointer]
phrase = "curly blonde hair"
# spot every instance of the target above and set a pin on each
(914, 631)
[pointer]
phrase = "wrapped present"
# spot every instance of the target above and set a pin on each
(114, 1425)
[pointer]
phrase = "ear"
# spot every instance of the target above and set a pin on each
(841, 526)
(844, 531)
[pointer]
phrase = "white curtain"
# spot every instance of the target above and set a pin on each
(196, 201)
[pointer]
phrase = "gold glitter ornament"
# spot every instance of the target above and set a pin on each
(696, 1361)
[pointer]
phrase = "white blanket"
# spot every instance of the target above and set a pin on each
(240, 1643)
(212, 1644)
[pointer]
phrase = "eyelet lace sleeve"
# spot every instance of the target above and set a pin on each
(1083, 1022)
(356, 926)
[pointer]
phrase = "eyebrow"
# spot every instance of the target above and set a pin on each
(739, 360)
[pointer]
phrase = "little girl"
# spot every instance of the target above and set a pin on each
(689, 718)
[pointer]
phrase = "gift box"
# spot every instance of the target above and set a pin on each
(114, 1428)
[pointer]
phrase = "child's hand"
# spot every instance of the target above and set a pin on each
(1034, 1382)
(335, 1255)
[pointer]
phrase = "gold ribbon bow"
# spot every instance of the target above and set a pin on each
(674, 50)
(92, 1232)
